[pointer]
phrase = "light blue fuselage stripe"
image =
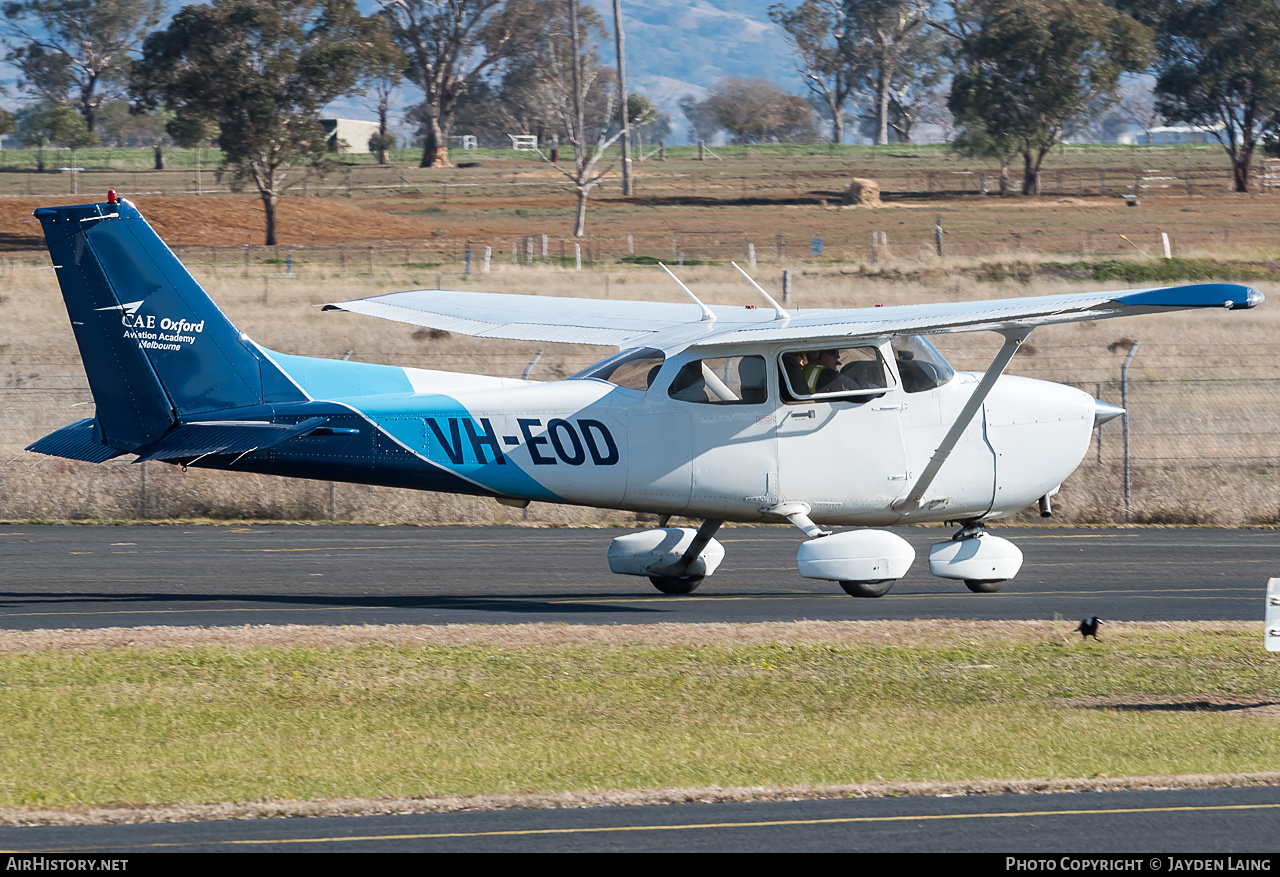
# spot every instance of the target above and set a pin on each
(384, 395)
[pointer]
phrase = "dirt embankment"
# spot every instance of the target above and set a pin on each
(227, 220)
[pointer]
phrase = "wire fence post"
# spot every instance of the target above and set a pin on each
(1124, 403)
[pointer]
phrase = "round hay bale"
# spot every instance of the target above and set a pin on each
(861, 191)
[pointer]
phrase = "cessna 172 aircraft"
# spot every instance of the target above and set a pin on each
(818, 417)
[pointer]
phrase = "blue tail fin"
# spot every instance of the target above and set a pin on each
(155, 347)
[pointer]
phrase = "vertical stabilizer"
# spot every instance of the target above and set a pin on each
(155, 346)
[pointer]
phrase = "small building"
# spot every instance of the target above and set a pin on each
(348, 135)
(1171, 135)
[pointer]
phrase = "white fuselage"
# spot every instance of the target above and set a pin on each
(590, 442)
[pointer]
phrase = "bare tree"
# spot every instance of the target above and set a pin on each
(1137, 104)
(588, 101)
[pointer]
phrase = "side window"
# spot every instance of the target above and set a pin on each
(855, 373)
(731, 380)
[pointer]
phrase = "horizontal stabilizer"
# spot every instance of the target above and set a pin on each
(75, 442)
(203, 438)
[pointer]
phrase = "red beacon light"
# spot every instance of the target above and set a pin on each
(112, 197)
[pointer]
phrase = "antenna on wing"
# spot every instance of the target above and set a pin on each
(779, 313)
(707, 315)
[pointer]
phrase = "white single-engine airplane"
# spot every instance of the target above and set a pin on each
(820, 418)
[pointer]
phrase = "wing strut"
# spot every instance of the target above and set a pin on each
(1013, 338)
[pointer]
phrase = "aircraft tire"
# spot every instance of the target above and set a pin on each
(669, 585)
(984, 586)
(877, 588)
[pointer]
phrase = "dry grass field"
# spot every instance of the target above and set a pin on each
(1204, 408)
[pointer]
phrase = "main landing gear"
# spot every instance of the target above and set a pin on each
(674, 559)
(867, 563)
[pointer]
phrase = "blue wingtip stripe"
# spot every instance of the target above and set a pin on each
(1196, 295)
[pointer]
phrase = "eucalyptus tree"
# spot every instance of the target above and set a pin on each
(1029, 68)
(824, 54)
(261, 71)
(1218, 66)
(451, 44)
(881, 35)
(77, 52)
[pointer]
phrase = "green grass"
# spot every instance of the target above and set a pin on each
(200, 724)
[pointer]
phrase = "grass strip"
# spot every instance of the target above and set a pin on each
(109, 718)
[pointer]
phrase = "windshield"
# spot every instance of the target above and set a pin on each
(920, 364)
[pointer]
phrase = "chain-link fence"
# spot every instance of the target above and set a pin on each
(1202, 450)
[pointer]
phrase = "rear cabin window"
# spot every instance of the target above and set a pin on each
(730, 380)
(633, 369)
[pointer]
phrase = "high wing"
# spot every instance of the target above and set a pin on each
(631, 323)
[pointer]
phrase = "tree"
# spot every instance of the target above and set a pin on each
(449, 44)
(824, 54)
(587, 100)
(1137, 104)
(8, 123)
(386, 68)
(261, 70)
(698, 114)
(650, 124)
(77, 51)
(1218, 66)
(49, 123)
(969, 101)
(759, 111)
(1028, 68)
(880, 34)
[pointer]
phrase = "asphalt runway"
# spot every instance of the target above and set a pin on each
(1086, 824)
(113, 576)
(105, 576)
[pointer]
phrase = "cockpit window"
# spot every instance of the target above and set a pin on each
(731, 380)
(633, 369)
(920, 364)
(854, 373)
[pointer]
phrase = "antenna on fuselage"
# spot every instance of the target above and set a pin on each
(779, 313)
(707, 315)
